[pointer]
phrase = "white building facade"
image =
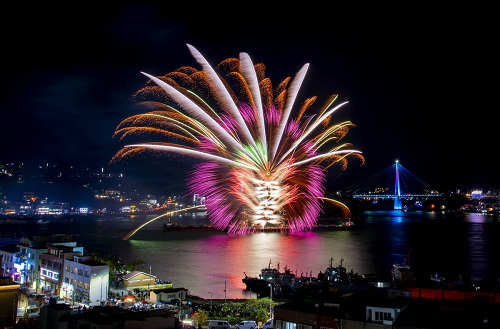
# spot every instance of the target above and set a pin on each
(85, 281)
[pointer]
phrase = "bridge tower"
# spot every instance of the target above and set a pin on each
(398, 202)
(391, 183)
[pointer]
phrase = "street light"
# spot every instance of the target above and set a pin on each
(102, 281)
(270, 300)
(149, 280)
(150, 266)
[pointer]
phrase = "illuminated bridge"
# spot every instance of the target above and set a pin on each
(394, 182)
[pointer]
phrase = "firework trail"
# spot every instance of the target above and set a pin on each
(260, 163)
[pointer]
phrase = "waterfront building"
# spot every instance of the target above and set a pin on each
(33, 262)
(138, 280)
(8, 254)
(167, 295)
(28, 259)
(85, 281)
(52, 265)
(28, 262)
(21, 271)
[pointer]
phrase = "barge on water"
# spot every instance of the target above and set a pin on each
(169, 226)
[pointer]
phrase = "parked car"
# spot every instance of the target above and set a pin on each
(268, 325)
(246, 325)
(218, 324)
(188, 324)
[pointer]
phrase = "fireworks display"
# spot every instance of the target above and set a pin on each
(261, 163)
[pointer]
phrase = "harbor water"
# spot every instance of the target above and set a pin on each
(212, 264)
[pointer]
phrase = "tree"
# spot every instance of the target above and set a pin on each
(235, 312)
(201, 317)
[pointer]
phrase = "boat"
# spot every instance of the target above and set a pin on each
(261, 285)
(336, 273)
(339, 278)
(436, 287)
(169, 226)
(335, 226)
(286, 284)
(281, 283)
(256, 285)
(185, 228)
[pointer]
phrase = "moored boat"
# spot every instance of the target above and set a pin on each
(286, 284)
(176, 227)
(336, 273)
(281, 283)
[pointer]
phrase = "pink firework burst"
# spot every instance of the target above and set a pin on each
(262, 163)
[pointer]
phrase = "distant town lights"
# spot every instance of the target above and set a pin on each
(477, 194)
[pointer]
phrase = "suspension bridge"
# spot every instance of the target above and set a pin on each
(394, 182)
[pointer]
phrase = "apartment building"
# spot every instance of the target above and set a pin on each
(52, 265)
(85, 281)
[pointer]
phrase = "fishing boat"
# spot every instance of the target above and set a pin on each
(287, 284)
(336, 273)
(269, 278)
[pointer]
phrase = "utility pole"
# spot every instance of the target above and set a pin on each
(224, 292)
(211, 301)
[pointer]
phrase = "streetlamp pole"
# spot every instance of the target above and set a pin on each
(225, 292)
(271, 300)
(102, 281)
(150, 266)
(149, 280)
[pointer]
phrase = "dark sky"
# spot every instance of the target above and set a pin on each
(421, 81)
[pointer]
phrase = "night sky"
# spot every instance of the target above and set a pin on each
(421, 81)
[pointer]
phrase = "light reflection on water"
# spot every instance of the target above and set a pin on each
(208, 262)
